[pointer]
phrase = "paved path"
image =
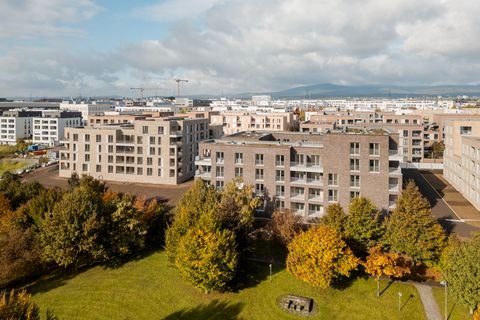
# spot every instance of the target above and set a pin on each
(429, 304)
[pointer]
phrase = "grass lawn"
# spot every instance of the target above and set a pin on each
(456, 311)
(149, 288)
(13, 165)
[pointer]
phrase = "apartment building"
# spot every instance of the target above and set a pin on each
(17, 124)
(49, 128)
(234, 122)
(462, 158)
(87, 109)
(306, 172)
(155, 150)
(409, 128)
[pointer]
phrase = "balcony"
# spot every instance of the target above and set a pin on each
(176, 134)
(125, 142)
(294, 180)
(394, 155)
(393, 188)
(315, 182)
(203, 162)
(305, 167)
(297, 197)
(312, 198)
(393, 171)
(205, 175)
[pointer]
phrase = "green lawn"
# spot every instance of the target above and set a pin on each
(456, 311)
(150, 288)
(13, 165)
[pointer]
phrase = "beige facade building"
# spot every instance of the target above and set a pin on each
(462, 158)
(157, 150)
(234, 122)
(409, 128)
(306, 172)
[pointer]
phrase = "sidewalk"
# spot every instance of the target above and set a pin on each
(462, 207)
(430, 306)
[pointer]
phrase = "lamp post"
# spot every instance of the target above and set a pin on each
(399, 301)
(445, 284)
(270, 266)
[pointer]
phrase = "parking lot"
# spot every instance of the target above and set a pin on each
(48, 177)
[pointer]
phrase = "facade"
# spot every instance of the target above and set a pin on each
(462, 158)
(306, 172)
(49, 128)
(87, 109)
(234, 122)
(157, 150)
(409, 128)
(17, 124)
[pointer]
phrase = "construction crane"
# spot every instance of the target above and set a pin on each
(178, 86)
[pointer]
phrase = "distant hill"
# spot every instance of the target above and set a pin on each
(333, 90)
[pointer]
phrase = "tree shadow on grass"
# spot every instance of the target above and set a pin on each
(342, 282)
(215, 310)
(253, 273)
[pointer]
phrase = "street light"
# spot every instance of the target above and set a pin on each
(270, 266)
(445, 284)
(399, 301)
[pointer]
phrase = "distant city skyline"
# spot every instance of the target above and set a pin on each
(104, 47)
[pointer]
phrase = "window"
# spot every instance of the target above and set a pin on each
(279, 204)
(238, 158)
(87, 148)
(149, 161)
(258, 174)
(110, 159)
(280, 191)
(110, 138)
(279, 175)
(139, 150)
(219, 185)
(354, 164)
(374, 149)
(465, 130)
(152, 140)
(160, 130)
(259, 189)
(159, 172)
(139, 140)
(139, 160)
(238, 172)
(98, 138)
(219, 157)
(152, 151)
(355, 181)
(332, 195)
(75, 137)
(84, 167)
(279, 160)
(98, 168)
(258, 159)
(110, 149)
(149, 171)
(110, 169)
(145, 130)
(87, 138)
(87, 158)
(333, 179)
(139, 171)
(219, 172)
(374, 165)
(354, 148)
(354, 194)
(315, 160)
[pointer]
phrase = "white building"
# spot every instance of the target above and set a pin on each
(86, 109)
(16, 124)
(49, 128)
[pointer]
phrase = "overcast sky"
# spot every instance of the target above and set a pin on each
(88, 47)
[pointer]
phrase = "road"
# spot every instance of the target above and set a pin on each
(440, 210)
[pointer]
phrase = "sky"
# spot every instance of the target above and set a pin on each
(105, 47)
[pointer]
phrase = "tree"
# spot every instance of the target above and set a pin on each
(125, 228)
(285, 225)
(380, 264)
(200, 200)
(74, 228)
(411, 230)
(319, 256)
(335, 218)
(37, 208)
(207, 258)
(362, 226)
(16, 191)
(17, 305)
(462, 272)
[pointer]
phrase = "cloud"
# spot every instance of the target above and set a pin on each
(30, 18)
(172, 10)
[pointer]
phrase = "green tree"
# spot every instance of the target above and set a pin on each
(16, 191)
(207, 258)
(385, 264)
(362, 226)
(285, 225)
(335, 218)
(200, 200)
(74, 228)
(411, 229)
(462, 271)
(319, 256)
(17, 305)
(125, 229)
